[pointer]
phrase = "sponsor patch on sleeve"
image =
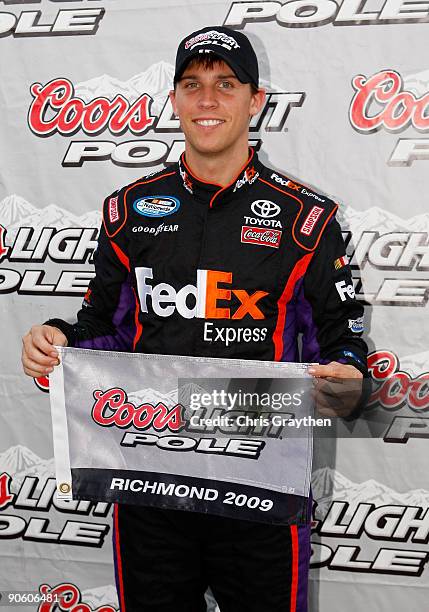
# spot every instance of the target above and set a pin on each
(341, 262)
(311, 220)
(87, 299)
(356, 325)
(113, 209)
(114, 214)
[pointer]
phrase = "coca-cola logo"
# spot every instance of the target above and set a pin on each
(66, 597)
(56, 109)
(112, 408)
(261, 236)
(396, 387)
(381, 101)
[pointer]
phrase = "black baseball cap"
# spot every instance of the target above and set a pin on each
(231, 46)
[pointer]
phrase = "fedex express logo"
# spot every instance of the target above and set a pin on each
(382, 101)
(212, 286)
(212, 297)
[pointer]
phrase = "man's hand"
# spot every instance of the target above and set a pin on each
(338, 388)
(38, 353)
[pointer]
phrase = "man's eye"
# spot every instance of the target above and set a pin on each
(191, 85)
(225, 84)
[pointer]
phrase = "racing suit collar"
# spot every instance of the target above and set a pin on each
(196, 186)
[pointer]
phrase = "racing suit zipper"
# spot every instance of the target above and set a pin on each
(202, 253)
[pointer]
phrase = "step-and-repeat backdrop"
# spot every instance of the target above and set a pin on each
(84, 110)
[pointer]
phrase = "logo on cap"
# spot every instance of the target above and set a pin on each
(212, 38)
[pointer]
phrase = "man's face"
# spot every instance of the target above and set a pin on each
(214, 108)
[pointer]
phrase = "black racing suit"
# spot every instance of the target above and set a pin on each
(188, 267)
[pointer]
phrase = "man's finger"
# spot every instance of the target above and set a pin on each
(335, 370)
(321, 370)
(35, 369)
(36, 355)
(32, 373)
(44, 340)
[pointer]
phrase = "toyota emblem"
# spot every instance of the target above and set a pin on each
(265, 208)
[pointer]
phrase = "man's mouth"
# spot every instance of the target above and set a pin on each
(208, 122)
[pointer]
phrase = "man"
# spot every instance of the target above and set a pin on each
(220, 256)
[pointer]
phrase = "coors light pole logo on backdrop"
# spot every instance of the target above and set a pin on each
(387, 101)
(31, 512)
(66, 22)
(401, 390)
(363, 526)
(389, 256)
(106, 109)
(45, 251)
(305, 13)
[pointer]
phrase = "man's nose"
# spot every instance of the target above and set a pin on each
(208, 97)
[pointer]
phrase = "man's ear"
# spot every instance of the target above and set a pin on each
(258, 101)
(172, 96)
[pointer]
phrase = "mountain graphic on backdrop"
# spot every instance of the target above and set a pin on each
(415, 364)
(16, 212)
(43, 470)
(100, 596)
(170, 399)
(417, 83)
(329, 485)
(152, 396)
(156, 81)
(19, 462)
(17, 458)
(380, 220)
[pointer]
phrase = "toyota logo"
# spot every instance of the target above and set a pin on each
(265, 208)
